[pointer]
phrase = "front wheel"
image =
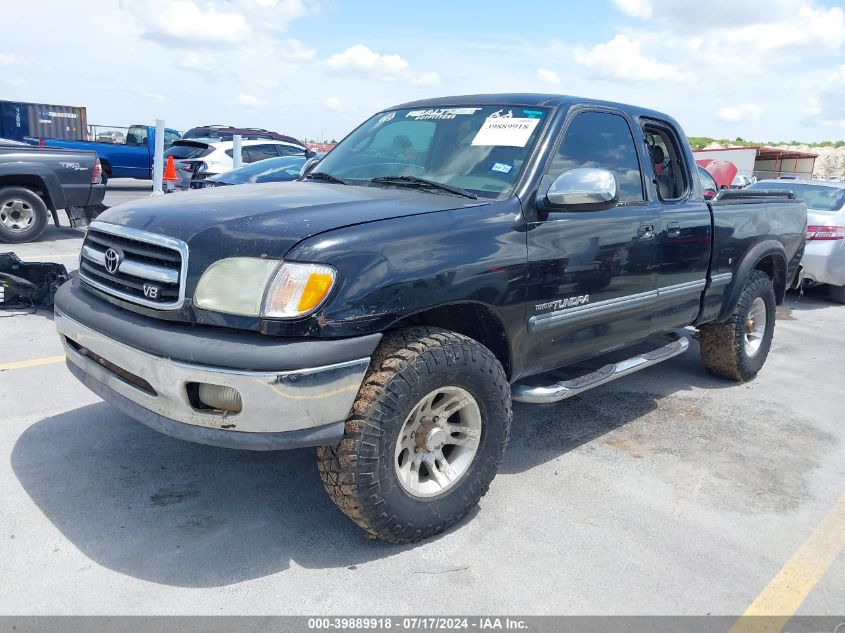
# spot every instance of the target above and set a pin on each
(23, 215)
(737, 349)
(425, 436)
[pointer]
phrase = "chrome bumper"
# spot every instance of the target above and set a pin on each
(273, 402)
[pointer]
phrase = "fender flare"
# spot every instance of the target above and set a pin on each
(752, 258)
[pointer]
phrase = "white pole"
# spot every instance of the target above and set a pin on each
(158, 158)
(237, 149)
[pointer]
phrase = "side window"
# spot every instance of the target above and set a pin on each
(254, 153)
(670, 174)
(137, 135)
(603, 141)
(289, 150)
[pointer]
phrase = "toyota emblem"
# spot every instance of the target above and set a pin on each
(112, 262)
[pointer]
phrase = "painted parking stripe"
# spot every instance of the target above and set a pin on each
(785, 594)
(32, 362)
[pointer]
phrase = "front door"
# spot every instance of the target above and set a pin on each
(591, 274)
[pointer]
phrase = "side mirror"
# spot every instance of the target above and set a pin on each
(309, 165)
(583, 187)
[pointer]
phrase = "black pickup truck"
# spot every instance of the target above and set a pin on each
(35, 182)
(439, 263)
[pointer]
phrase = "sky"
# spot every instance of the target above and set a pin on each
(768, 71)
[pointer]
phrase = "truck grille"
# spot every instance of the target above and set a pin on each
(137, 266)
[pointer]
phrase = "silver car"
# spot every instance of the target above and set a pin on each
(824, 255)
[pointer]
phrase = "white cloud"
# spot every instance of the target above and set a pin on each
(742, 113)
(333, 104)
(248, 101)
(548, 76)
(7, 59)
(184, 23)
(634, 8)
(362, 61)
(621, 59)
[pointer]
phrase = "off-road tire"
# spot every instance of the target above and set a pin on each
(359, 473)
(39, 224)
(722, 344)
(836, 294)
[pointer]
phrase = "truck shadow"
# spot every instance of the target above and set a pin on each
(182, 514)
(541, 433)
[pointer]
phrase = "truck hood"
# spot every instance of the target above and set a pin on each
(269, 218)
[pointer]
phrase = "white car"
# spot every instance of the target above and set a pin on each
(824, 255)
(197, 159)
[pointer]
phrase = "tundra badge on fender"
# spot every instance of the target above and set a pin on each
(569, 302)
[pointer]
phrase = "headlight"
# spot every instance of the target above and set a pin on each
(250, 286)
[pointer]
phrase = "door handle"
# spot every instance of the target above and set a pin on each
(673, 229)
(645, 231)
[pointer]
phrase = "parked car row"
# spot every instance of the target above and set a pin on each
(199, 159)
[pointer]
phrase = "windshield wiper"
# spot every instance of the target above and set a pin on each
(325, 177)
(422, 183)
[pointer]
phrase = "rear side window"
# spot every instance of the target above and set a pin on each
(187, 150)
(289, 150)
(254, 153)
(670, 174)
(601, 140)
(707, 182)
(137, 135)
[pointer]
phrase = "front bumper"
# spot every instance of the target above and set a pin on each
(285, 408)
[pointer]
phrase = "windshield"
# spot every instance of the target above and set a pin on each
(269, 170)
(478, 149)
(816, 197)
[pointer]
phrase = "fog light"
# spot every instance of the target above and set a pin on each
(220, 397)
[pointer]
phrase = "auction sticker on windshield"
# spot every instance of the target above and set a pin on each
(505, 130)
(439, 113)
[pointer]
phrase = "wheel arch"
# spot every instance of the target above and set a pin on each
(768, 256)
(476, 320)
(37, 185)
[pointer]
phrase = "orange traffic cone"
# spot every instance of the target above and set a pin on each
(170, 171)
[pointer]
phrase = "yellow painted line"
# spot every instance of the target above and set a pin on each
(32, 362)
(785, 594)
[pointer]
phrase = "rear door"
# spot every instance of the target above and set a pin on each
(591, 277)
(682, 227)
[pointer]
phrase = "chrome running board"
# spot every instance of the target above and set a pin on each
(539, 394)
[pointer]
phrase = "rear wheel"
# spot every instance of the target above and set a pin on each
(837, 293)
(425, 436)
(737, 349)
(23, 215)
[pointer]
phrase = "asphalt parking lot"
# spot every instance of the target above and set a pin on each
(666, 492)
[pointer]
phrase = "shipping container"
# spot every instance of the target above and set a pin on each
(41, 120)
